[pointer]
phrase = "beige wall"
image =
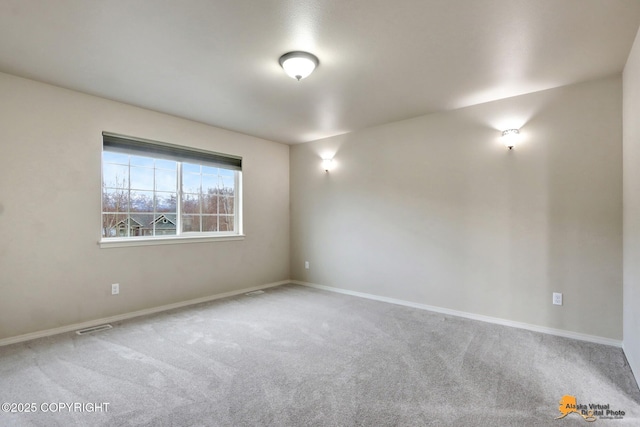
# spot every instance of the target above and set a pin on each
(434, 210)
(52, 272)
(631, 144)
(431, 210)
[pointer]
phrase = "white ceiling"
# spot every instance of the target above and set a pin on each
(216, 61)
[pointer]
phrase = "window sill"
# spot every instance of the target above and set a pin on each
(153, 241)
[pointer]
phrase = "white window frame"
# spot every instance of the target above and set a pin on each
(180, 237)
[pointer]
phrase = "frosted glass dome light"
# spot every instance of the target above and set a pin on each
(510, 137)
(298, 65)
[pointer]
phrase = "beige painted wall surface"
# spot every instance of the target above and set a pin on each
(435, 210)
(52, 272)
(631, 144)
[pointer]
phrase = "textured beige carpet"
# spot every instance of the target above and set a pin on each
(296, 356)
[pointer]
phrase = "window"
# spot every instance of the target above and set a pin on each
(152, 190)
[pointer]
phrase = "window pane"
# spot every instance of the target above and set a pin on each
(165, 225)
(226, 205)
(141, 224)
(110, 225)
(226, 223)
(209, 184)
(191, 203)
(209, 204)
(209, 223)
(228, 184)
(141, 178)
(141, 161)
(114, 200)
(142, 201)
(115, 176)
(166, 180)
(190, 183)
(227, 173)
(209, 170)
(166, 164)
(111, 157)
(190, 223)
(191, 168)
(166, 202)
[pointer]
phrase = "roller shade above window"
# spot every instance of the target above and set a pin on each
(158, 150)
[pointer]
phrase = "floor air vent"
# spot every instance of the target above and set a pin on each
(254, 293)
(93, 329)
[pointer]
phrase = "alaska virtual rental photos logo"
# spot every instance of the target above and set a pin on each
(591, 412)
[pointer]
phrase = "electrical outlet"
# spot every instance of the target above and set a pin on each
(115, 289)
(306, 265)
(557, 298)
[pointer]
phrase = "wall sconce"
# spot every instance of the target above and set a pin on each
(510, 138)
(298, 65)
(327, 164)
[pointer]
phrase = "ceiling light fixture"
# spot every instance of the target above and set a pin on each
(510, 137)
(298, 65)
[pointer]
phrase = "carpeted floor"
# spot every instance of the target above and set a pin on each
(296, 356)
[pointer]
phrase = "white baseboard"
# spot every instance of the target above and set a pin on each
(495, 320)
(480, 317)
(125, 316)
(633, 364)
